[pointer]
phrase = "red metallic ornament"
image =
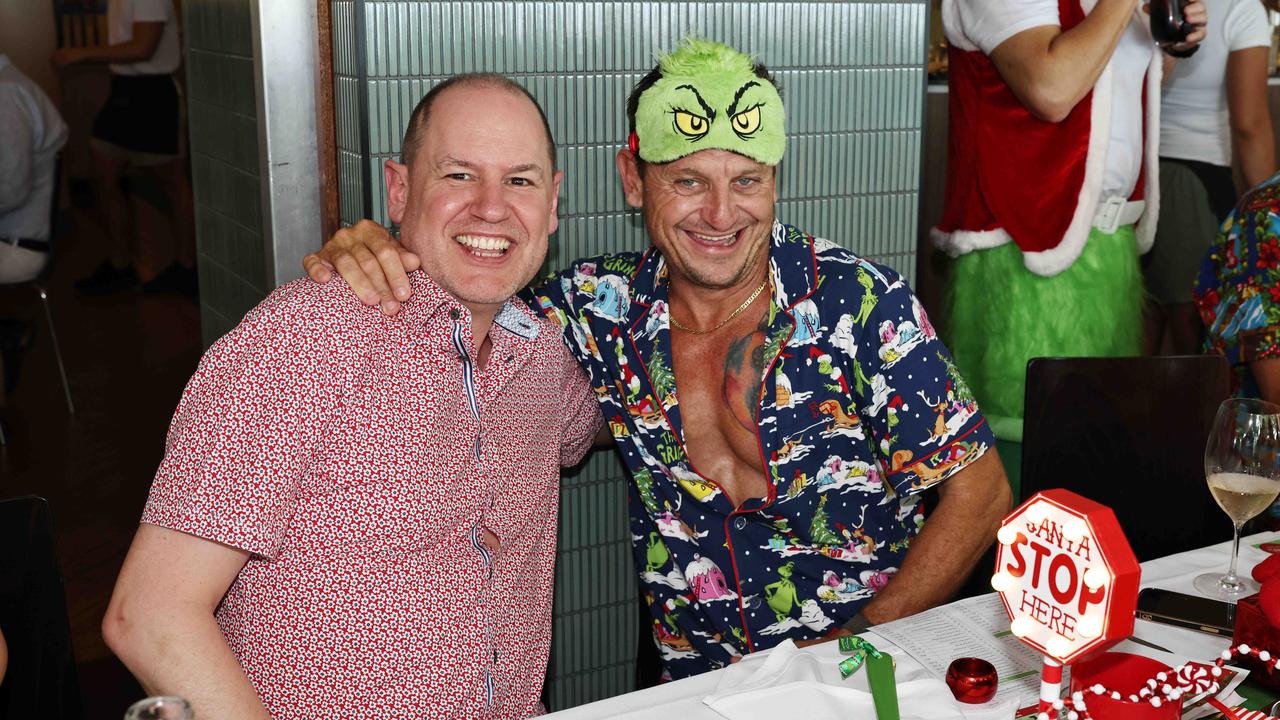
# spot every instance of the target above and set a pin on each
(633, 143)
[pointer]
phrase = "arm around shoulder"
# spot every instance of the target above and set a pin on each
(160, 622)
(370, 260)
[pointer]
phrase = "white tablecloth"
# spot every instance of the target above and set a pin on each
(682, 700)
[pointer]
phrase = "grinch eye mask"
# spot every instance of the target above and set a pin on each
(709, 97)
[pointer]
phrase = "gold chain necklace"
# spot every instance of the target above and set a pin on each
(745, 304)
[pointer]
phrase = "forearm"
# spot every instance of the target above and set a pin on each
(953, 539)
(1079, 55)
(127, 52)
(185, 654)
(1050, 71)
(1255, 150)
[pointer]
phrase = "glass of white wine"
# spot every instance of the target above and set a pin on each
(1242, 466)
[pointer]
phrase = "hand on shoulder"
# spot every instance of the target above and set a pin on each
(370, 260)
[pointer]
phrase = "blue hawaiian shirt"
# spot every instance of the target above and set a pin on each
(861, 408)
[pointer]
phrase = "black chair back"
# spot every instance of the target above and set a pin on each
(41, 679)
(1129, 433)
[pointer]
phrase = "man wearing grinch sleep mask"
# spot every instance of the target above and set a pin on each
(775, 494)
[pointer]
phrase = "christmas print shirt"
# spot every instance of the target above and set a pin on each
(861, 409)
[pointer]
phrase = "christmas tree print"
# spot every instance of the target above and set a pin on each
(644, 483)
(958, 386)
(819, 530)
(664, 381)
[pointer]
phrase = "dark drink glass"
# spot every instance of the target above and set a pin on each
(1168, 25)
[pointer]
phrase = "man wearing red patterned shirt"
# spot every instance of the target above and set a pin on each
(357, 514)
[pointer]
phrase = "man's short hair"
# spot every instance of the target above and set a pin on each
(418, 120)
(654, 75)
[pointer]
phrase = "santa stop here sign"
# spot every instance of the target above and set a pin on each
(1066, 575)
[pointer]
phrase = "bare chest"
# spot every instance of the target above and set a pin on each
(719, 389)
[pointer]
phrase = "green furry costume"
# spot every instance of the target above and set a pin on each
(1002, 315)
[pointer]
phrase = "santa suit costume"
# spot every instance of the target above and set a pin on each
(1040, 216)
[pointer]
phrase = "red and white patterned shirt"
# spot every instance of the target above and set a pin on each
(358, 458)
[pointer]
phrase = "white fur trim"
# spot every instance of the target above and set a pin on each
(1056, 259)
(1145, 230)
(960, 242)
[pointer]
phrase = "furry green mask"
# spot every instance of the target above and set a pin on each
(709, 97)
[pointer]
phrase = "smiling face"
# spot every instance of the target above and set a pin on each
(710, 214)
(478, 199)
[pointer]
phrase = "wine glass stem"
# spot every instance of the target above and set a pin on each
(1230, 580)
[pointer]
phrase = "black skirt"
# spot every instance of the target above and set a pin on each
(141, 114)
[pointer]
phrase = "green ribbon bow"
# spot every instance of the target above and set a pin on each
(884, 687)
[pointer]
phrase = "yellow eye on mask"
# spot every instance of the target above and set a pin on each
(690, 125)
(747, 122)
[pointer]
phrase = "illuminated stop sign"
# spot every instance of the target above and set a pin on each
(1066, 574)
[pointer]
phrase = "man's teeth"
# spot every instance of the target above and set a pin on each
(484, 246)
(715, 238)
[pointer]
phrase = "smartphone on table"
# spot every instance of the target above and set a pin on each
(1216, 617)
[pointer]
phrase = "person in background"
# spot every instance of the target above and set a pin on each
(33, 134)
(1237, 292)
(1214, 109)
(356, 516)
(139, 130)
(1052, 187)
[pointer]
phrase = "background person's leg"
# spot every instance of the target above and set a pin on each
(116, 273)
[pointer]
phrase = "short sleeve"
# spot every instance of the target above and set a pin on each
(244, 433)
(152, 11)
(581, 413)
(1246, 26)
(924, 420)
(988, 23)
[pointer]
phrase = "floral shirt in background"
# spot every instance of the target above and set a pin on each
(1238, 290)
(860, 409)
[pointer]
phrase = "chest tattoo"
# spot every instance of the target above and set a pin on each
(743, 367)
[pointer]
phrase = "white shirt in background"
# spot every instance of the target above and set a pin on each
(33, 133)
(1194, 122)
(122, 14)
(987, 23)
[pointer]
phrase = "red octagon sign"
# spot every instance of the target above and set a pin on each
(1067, 575)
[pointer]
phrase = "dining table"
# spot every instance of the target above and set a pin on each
(704, 697)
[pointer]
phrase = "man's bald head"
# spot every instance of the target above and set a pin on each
(418, 120)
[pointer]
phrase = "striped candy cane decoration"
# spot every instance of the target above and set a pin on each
(1050, 689)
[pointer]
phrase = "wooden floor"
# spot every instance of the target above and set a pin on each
(128, 358)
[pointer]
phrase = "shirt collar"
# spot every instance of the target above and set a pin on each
(429, 299)
(793, 264)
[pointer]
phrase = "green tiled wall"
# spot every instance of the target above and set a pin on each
(853, 79)
(222, 114)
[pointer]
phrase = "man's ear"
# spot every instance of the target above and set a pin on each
(632, 183)
(397, 179)
(553, 222)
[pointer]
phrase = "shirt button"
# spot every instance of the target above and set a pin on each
(755, 602)
(454, 314)
(740, 523)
